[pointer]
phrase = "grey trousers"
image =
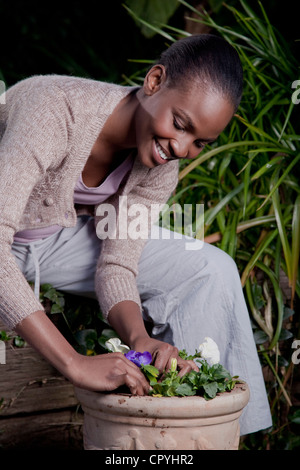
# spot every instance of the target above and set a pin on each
(187, 294)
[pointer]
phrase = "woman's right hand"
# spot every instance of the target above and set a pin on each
(107, 372)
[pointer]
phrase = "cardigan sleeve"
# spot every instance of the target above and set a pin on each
(117, 268)
(33, 140)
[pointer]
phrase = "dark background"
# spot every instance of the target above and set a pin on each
(95, 38)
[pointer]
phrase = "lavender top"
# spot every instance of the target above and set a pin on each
(83, 195)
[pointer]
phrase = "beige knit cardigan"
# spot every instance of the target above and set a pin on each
(48, 126)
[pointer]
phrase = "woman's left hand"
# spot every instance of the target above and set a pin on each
(162, 354)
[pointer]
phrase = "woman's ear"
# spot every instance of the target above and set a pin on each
(154, 79)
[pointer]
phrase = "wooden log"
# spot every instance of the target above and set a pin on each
(60, 430)
(28, 384)
(36, 401)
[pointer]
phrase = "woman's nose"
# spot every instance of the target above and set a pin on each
(179, 149)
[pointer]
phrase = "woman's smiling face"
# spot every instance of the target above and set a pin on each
(174, 123)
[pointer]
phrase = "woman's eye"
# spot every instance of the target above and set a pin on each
(177, 125)
(199, 144)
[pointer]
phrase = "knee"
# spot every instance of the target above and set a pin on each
(221, 262)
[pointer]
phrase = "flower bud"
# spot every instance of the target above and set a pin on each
(173, 364)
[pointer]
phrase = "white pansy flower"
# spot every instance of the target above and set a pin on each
(115, 345)
(209, 350)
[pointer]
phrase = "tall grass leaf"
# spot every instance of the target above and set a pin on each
(210, 153)
(180, 32)
(269, 237)
(266, 167)
(203, 184)
(246, 180)
(190, 7)
(221, 221)
(233, 235)
(257, 130)
(247, 22)
(224, 165)
(279, 300)
(213, 212)
(258, 23)
(295, 246)
(255, 311)
(287, 120)
(246, 224)
(288, 400)
(265, 109)
(281, 179)
(226, 231)
(249, 161)
(282, 232)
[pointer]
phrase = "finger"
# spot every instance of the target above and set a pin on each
(186, 366)
(164, 358)
(135, 378)
(120, 356)
(123, 371)
(136, 373)
(192, 364)
(126, 363)
(136, 386)
(136, 383)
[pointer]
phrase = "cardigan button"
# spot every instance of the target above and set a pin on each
(48, 201)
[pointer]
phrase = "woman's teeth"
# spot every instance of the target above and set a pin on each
(161, 152)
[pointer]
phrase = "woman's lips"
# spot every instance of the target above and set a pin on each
(159, 154)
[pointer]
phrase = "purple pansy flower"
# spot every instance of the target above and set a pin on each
(139, 358)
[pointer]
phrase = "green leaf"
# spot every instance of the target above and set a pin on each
(260, 337)
(188, 357)
(148, 14)
(219, 372)
(285, 334)
(295, 250)
(106, 334)
(19, 342)
(184, 389)
(4, 336)
(57, 307)
(157, 389)
(211, 389)
(192, 377)
(295, 418)
(86, 338)
(150, 371)
(288, 312)
(258, 298)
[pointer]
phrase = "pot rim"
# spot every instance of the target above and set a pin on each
(190, 406)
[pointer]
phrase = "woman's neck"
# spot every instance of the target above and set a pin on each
(118, 133)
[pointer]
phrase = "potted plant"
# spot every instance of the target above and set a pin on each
(198, 411)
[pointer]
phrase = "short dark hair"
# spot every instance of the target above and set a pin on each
(203, 59)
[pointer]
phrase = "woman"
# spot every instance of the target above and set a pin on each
(66, 140)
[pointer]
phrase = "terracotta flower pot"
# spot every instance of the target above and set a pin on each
(125, 422)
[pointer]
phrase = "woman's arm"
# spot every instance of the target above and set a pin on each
(105, 372)
(35, 139)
